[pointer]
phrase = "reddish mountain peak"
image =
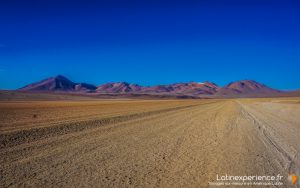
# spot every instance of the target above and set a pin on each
(118, 87)
(245, 84)
(193, 83)
(211, 84)
(190, 88)
(246, 87)
(57, 83)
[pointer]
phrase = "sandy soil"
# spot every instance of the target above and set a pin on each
(147, 143)
(29, 114)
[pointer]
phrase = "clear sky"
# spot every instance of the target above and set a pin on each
(150, 42)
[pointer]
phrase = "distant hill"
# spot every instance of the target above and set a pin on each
(190, 88)
(247, 88)
(118, 87)
(58, 83)
(242, 88)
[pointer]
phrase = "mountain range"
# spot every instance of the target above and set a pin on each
(242, 88)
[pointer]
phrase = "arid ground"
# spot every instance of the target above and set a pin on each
(146, 143)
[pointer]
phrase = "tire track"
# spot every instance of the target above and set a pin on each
(286, 158)
(178, 147)
(28, 135)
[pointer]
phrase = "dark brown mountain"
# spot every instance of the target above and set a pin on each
(246, 88)
(58, 83)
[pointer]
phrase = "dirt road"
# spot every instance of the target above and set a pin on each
(184, 145)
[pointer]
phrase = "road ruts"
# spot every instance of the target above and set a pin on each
(186, 147)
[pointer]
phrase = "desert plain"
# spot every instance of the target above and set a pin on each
(146, 143)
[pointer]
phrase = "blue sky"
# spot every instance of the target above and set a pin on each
(150, 42)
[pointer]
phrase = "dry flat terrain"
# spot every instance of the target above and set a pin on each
(146, 143)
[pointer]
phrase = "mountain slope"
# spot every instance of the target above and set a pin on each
(191, 88)
(85, 87)
(196, 88)
(58, 83)
(246, 88)
(118, 87)
(242, 88)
